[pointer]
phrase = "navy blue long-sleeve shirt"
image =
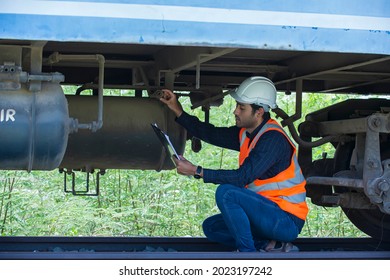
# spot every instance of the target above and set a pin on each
(271, 155)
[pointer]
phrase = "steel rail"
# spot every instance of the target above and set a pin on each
(181, 248)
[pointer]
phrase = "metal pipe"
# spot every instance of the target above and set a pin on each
(56, 57)
(99, 123)
(298, 101)
(336, 181)
(298, 105)
(197, 84)
(289, 120)
(52, 77)
(280, 113)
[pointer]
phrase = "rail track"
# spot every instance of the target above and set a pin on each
(15, 248)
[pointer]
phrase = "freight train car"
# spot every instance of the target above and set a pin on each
(202, 49)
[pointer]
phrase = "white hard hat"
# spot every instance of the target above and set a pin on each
(256, 90)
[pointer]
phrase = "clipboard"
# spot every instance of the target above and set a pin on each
(165, 141)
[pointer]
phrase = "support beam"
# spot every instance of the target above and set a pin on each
(334, 70)
(342, 88)
(185, 58)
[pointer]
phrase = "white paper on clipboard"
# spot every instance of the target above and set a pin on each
(165, 141)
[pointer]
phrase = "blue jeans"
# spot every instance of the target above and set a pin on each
(248, 220)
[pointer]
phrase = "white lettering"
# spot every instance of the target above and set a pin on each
(10, 115)
(7, 115)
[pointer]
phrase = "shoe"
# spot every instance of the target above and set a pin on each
(283, 247)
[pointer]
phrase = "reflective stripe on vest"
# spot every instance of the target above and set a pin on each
(287, 188)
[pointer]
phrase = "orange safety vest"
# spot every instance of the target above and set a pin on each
(286, 189)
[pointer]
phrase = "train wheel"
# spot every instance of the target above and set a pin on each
(373, 222)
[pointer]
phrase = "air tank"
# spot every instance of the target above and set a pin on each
(34, 128)
(126, 140)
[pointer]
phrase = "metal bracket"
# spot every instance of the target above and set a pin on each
(376, 173)
(10, 76)
(373, 173)
(86, 191)
(298, 105)
(381, 187)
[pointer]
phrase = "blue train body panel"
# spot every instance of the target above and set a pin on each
(354, 26)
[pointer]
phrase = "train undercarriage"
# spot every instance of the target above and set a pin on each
(43, 129)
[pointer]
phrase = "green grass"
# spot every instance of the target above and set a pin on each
(131, 203)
